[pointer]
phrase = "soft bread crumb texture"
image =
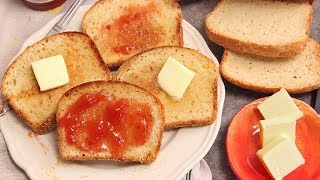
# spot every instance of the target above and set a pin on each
(168, 19)
(145, 153)
(297, 74)
(259, 26)
(20, 86)
(199, 103)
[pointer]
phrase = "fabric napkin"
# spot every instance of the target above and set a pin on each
(200, 171)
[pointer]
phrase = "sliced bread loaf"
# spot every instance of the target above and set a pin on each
(123, 28)
(261, 27)
(20, 86)
(296, 74)
(199, 104)
(144, 153)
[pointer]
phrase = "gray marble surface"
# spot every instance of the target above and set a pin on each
(195, 11)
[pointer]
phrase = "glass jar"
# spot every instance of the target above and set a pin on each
(43, 5)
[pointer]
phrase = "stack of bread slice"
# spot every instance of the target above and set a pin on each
(267, 44)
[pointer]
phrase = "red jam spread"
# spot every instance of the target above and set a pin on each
(97, 122)
(133, 30)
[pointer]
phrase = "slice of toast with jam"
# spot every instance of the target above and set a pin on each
(109, 121)
(123, 28)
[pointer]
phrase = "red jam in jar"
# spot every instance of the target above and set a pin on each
(43, 5)
(98, 122)
(134, 30)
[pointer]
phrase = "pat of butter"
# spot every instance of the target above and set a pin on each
(277, 126)
(279, 103)
(50, 72)
(280, 157)
(174, 78)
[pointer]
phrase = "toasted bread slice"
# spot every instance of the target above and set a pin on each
(20, 86)
(123, 28)
(198, 106)
(297, 74)
(261, 27)
(145, 153)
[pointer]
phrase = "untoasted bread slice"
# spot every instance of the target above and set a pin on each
(297, 74)
(261, 27)
(199, 104)
(123, 28)
(20, 86)
(145, 153)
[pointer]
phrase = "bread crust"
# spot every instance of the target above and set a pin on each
(49, 124)
(81, 157)
(178, 37)
(181, 123)
(281, 50)
(263, 89)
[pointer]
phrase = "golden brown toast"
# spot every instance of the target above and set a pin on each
(20, 87)
(144, 153)
(123, 28)
(198, 106)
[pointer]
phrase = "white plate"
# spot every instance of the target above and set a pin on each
(180, 151)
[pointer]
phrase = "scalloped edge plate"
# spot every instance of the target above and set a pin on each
(181, 149)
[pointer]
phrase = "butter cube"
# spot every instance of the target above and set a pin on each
(277, 126)
(279, 103)
(280, 157)
(174, 78)
(50, 72)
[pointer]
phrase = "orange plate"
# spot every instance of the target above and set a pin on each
(242, 143)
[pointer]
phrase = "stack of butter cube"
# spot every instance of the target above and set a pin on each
(279, 153)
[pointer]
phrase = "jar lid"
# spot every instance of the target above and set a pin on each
(43, 5)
